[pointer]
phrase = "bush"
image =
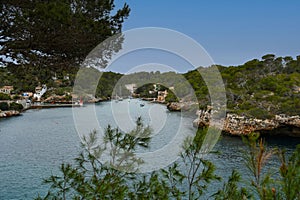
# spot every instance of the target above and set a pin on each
(259, 113)
(4, 96)
(89, 178)
(15, 106)
(4, 106)
(60, 91)
(171, 97)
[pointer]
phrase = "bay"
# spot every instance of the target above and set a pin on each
(33, 146)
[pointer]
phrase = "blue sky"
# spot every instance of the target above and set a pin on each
(232, 32)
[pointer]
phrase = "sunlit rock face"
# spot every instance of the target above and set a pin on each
(174, 106)
(181, 106)
(9, 113)
(240, 125)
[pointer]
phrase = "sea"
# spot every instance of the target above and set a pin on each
(35, 144)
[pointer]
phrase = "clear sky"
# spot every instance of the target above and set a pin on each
(231, 31)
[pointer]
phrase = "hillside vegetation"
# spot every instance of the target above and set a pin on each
(258, 88)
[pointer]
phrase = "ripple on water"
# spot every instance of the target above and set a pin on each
(33, 146)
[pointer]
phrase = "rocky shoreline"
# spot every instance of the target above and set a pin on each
(233, 124)
(237, 125)
(9, 113)
(180, 106)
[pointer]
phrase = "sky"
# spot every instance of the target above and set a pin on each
(231, 31)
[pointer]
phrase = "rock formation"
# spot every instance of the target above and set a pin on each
(9, 113)
(174, 106)
(234, 124)
(181, 106)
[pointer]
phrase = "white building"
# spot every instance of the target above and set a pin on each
(6, 89)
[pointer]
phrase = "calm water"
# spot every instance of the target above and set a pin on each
(33, 146)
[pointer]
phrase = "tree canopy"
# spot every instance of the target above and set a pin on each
(55, 33)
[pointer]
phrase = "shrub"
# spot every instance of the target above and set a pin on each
(4, 96)
(259, 113)
(15, 106)
(171, 97)
(4, 106)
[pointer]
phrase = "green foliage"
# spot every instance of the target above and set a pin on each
(107, 83)
(285, 184)
(231, 189)
(264, 88)
(60, 91)
(124, 145)
(200, 172)
(15, 106)
(10, 106)
(57, 33)
(143, 91)
(4, 106)
(91, 178)
(68, 98)
(257, 88)
(256, 159)
(4, 96)
(171, 97)
(290, 175)
(259, 113)
(16, 97)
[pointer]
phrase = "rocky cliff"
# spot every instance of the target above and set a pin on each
(9, 113)
(234, 124)
(174, 106)
(181, 106)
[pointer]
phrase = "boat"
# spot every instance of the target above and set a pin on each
(142, 104)
(81, 102)
(119, 98)
(75, 104)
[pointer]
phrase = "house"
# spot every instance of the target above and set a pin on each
(38, 89)
(131, 87)
(161, 96)
(27, 94)
(6, 89)
(296, 89)
(67, 77)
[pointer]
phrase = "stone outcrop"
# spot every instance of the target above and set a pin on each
(234, 124)
(174, 106)
(181, 106)
(9, 113)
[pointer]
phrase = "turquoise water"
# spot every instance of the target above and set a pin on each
(33, 146)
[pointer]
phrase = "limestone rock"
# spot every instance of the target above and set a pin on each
(9, 113)
(235, 124)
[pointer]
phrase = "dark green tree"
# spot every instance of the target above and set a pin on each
(4, 106)
(15, 106)
(56, 33)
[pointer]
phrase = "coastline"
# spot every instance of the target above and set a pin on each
(233, 124)
(237, 125)
(9, 113)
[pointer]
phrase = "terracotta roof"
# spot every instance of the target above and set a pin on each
(8, 87)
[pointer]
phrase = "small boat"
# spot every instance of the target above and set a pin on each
(142, 104)
(81, 102)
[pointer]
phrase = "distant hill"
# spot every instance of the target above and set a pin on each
(258, 88)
